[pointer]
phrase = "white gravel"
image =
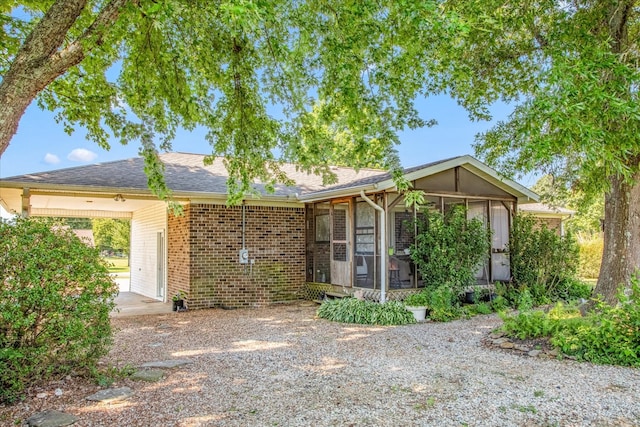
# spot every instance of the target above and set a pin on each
(281, 366)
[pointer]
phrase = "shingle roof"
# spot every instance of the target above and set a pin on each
(383, 176)
(541, 208)
(184, 172)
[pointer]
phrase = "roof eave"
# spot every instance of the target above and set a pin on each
(71, 188)
(317, 196)
(135, 192)
(523, 194)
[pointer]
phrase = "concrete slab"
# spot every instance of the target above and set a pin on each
(132, 304)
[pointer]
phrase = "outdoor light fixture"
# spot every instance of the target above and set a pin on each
(119, 198)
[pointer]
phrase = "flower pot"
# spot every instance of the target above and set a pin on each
(470, 297)
(419, 313)
(489, 297)
(178, 305)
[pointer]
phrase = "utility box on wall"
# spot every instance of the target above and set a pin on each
(243, 256)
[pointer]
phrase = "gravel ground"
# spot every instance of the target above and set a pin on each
(281, 366)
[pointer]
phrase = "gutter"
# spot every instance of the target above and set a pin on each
(383, 246)
(316, 196)
(75, 190)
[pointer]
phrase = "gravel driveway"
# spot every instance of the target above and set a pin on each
(281, 366)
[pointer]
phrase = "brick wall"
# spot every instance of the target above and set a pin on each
(178, 251)
(551, 223)
(275, 239)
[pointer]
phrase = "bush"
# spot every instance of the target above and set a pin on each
(590, 258)
(606, 335)
(449, 248)
(352, 310)
(542, 263)
(443, 305)
(537, 323)
(609, 334)
(55, 299)
(419, 299)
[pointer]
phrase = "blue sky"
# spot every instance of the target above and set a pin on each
(41, 144)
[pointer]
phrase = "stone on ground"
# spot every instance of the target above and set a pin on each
(151, 375)
(111, 394)
(51, 418)
(164, 364)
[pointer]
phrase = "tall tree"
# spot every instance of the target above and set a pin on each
(589, 211)
(571, 68)
(343, 71)
(264, 77)
(112, 234)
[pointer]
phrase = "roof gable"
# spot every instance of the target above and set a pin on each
(384, 181)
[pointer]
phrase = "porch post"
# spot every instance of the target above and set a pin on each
(383, 246)
(26, 203)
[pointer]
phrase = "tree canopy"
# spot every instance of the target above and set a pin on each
(297, 81)
(272, 81)
(112, 234)
(571, 70)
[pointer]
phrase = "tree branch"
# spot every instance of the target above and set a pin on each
(41, 60)
(75, 52)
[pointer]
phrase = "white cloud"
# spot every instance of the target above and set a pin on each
(51, 159)
(81, 155)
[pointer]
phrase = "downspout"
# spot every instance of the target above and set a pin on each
(562, 221)
(243, 226)
(383, 246)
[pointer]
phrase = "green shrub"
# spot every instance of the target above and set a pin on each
(542, 263)
(590, 257)
(443, 304)
(570, 289)
(352, 310)
(55, 299)
(449, 248)
(499, 303)
(419, 299)
(609, 334)
(528, 324)
(478, 308)
(606, 335)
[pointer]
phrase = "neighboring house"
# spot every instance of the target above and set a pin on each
(86, 236)
(297, 241)
(552, 216)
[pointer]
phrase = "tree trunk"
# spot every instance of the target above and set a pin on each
(43, 57)
(621, 256)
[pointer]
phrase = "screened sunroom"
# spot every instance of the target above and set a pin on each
(361, 241)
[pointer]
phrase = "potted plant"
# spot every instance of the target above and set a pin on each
(417, 304)
(178, 301)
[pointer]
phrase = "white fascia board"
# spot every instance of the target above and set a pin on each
(84, 190)
(68, 213)
(547, 214)
(319, 196)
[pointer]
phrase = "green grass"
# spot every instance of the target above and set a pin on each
(592, 282)
(118, 265)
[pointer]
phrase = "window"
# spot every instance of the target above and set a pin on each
(322, 228)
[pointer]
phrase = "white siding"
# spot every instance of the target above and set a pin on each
(145, 225)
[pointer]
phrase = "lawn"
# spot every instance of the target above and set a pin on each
(118, 264)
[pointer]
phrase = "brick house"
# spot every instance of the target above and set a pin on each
(292, 243)
(553, 217)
